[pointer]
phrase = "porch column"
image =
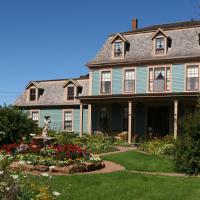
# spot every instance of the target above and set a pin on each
(129, 121)
(81, 120)
(90, 119)
(175, 118)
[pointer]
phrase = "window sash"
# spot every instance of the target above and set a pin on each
(160, 44)
(32, 95)
(129, 80)
(70, 93)
(106, 82)
(35, 116)
(192, 78)
(68, 121)
(118, 49)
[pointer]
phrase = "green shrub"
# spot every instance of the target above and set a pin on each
(65, 138)
(187, 158)
(163, 147)
(97, 143)
(15, 125)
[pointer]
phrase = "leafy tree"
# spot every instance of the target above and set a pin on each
(14, 125)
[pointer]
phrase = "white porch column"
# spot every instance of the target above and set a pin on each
(81, 120)
(175, 118)
(129, 121)
(90, 119)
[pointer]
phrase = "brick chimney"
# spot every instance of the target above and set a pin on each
(134, 24)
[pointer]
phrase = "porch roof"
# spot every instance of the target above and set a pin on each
(141, 97)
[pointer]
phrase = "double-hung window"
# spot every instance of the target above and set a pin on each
(32, 94)
(118, 49)
(35, 116)
(159, 79)
(160, 45)
(192, 79)
(129, 80)
(68, 121)
(106, 82)
(70, 93)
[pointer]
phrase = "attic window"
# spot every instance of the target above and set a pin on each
(32, 94)
(70, 93)
(160, 45)
(118, 49)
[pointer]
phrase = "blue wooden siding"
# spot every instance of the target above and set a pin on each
(140, 119)
(95, 82)
(55, 116)
(141, 79)
(117, 78)
(178, 78)
(116, 119)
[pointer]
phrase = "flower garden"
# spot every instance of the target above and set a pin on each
(66, 158)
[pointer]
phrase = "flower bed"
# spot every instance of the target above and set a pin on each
(65, 158)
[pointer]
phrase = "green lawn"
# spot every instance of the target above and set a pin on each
(133, 160)
(126, 186)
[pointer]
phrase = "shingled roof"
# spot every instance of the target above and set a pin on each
(184, 37)
(53, 93)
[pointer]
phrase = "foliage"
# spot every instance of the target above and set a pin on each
(162, 147)
(15, 125)
(65, 138)
(18, 186)
(96, 143)
(187, 157)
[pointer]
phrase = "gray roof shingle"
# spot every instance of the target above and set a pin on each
(185, 43)
(53, 94)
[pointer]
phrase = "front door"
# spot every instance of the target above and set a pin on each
(158, 121)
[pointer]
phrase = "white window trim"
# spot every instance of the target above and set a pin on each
(123, 79)
(185, 77)
(100, 78)
(159, 66)
(63, 120)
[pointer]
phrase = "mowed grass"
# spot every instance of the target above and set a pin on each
(125, 186)
(133, 160)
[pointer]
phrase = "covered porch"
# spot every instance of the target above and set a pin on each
(141, 116)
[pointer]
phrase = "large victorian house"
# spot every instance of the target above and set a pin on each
(141, 81)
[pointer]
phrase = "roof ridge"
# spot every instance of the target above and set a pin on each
(173, 25)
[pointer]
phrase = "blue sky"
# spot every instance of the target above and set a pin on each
(50, 39)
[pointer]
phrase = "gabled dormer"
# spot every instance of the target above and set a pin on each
(160, 43)
(33, 91)
(119, 46)
(71, 89)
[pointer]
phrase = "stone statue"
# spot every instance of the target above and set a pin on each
(47, 122)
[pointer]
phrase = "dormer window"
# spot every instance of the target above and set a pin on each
(70, 93)
(71, 89)
(119, 44)
(32, 94)
(118, 49)
(160, 45)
